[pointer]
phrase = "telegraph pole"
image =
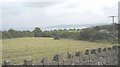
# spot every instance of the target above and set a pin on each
(113, 18)
(113, 21)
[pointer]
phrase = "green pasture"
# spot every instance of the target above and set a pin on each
(18, 49)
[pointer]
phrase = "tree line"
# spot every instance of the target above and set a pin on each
(37, 32)
(95, 34)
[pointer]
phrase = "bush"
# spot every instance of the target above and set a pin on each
(93, 35)
(37, 32)
(86, 34)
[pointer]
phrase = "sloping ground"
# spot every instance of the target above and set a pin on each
(37, 48)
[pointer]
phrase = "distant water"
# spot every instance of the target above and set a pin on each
(63, 26)
(70, 26)
(53, 28)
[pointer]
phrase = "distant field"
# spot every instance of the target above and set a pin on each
(36, 48)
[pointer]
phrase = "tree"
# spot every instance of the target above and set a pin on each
(0, 34)
(87, 34)
(47, 34)
(5, 34)
(37, 32)
(12, 33)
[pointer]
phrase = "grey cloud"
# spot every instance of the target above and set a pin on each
(11, 12)
(39, 4)
(31, 14)
(47, 0)
(110, 10)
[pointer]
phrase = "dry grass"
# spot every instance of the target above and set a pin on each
(36, 48)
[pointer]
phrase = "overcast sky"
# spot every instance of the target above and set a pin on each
(42, 13)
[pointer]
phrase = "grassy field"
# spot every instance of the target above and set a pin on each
(36, 48)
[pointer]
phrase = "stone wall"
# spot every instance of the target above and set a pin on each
(99, 56)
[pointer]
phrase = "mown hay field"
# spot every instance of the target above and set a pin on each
(18, 49)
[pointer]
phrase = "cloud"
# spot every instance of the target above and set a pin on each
(46, 13)
(39, 4)
(88, 11)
